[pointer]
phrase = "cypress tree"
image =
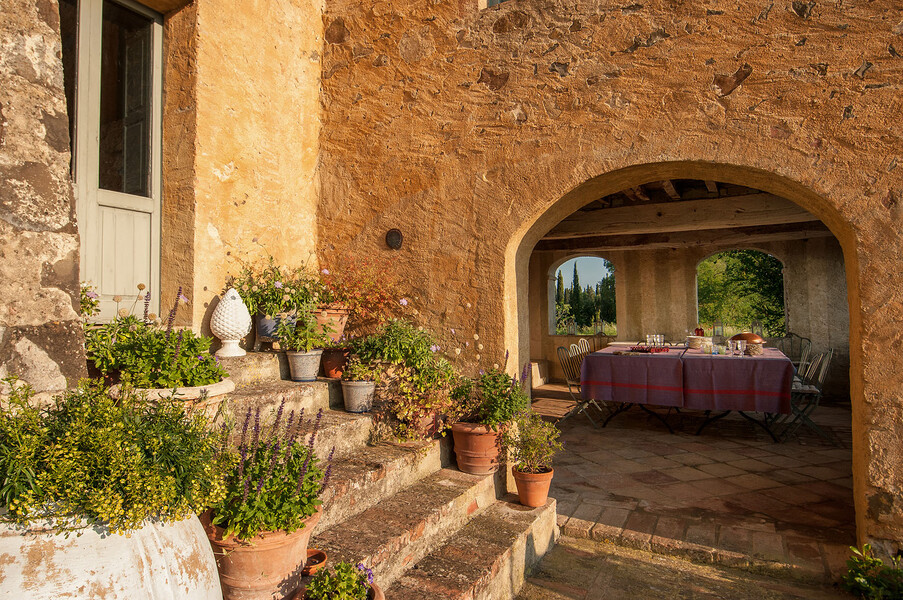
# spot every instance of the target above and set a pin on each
(576, 297)
(559, 290)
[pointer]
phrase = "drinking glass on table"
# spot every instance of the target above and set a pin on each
(741, 347)
(659, 339)
(649, 338)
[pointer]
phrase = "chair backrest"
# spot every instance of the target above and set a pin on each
(823, 369)
(810, 374)
(570, 363)
(804, 359)
(583, 345)
(793, 346)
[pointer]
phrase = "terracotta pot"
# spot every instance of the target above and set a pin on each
(333, 315)
(264, 567)
(376, 593)
(316, 560)
(476, 448)
(532, 488)
(334, 361)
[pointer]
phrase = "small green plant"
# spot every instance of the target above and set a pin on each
(868, 577)
(89, 301)
(492, 398)
(116, 462)
(415, 379)
(277, 481)
(302, 334)
(269, 289)
(347, 582)
(357, 370)
(532, 442)
(149, 356)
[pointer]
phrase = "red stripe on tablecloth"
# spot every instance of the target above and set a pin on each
(740, 392)
(643, 386)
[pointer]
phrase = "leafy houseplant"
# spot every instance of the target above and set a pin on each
(144, 354)
(270, 506)
(270, 289)
(98, 466)
(415, 380)
(367, 286)
(868, 577)
(347, 582)
(485, 404)
(303, 342)
(532, 442)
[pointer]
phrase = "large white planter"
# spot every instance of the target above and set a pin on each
(156, 562)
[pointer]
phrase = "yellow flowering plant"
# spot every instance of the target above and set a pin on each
(91, 460)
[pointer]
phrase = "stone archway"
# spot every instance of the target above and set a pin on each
(599, 186)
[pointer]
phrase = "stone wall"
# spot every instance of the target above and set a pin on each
(656, 292)
(41, 337)
(241, 141)
(475, 132)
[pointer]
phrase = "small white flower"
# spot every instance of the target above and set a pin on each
(457, 351)
(478, 357)
(479, 346)
(495, 366)
(420, 328)
(468, 305)
(476, 337)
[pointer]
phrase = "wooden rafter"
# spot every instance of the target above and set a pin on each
(668, 186)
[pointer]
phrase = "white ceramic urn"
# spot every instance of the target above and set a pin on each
(230, 322)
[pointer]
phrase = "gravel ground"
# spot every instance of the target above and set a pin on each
(586, 569)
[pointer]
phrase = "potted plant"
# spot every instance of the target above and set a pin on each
(346, 582)
(366, 287)
(486, 404)
(260, 530)
(335, 356)
(274, 293)
(126, 477)
(303, 341)
(532, 442)
(415, 380)
(359, 381)
(157, 360)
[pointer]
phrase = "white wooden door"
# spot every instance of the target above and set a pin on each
(117, 149)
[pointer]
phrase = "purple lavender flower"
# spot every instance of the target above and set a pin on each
(92, 295)
(269, 473)
(247, 488)
(403, 301)
(328, 473)
(171, 318)
(278, 285)
(365, 571)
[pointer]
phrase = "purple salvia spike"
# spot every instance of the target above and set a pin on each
(288, 425)
(244, 430)
(278, 415)
(313, 434)
(303, 474)
(175, 356)
(242, 461)
(171, 319)
(272, 466)
(255, 434)
(328, 471)
(244, 496)
(146, 304)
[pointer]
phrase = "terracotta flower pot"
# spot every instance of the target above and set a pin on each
(266, 566)
(316, 560)
(476, 448)
(376, 593)
(334, 361)
(532, 488)
(333, 315)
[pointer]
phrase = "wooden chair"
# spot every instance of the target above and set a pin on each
(797, 349)
(806, 395)
(570, 364)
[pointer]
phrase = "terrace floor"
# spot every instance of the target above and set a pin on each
(729, 496)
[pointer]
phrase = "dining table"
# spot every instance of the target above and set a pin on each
(685, 378)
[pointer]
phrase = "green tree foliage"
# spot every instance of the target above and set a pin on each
(585, 304)
(740, 286)
(559, 290)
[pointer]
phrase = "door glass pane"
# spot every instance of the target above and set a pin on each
(69, 38)
(125, 101)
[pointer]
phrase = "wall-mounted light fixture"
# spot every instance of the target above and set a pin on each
(394, 238)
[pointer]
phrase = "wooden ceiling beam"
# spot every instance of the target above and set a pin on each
(668, 186)
(712, 187)
(736, 237)
(689, 215)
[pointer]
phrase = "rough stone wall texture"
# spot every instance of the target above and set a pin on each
(475, 132)
(656, 292)
(41, 338)
(241, 141)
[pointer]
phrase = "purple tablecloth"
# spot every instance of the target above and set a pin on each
(748, 383)
(696, 380)
(645, 379)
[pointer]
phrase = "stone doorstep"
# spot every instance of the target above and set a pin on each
(373, 474)
(397, 532)
(268, 396)
(807, 571)
(256, 367)
(488, 559)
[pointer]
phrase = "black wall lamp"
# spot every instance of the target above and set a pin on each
(394, 238)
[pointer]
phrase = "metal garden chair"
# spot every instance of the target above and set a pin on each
(571, 361)
(797, 349)
(805, 397)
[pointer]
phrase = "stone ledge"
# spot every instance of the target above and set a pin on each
(489, 558)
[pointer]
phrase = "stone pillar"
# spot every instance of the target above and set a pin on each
(41, 338)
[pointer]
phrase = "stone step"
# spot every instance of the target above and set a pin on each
(488, 559)
(256, 367)
(269, 395)
(363, 479)
(400, 530)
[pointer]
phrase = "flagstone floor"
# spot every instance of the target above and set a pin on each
(729, 496)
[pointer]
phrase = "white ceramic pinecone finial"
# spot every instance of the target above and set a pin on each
(230, 322)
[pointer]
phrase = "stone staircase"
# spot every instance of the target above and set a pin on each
(427, 530)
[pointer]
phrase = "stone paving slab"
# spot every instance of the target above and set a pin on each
(580, 569)
(730, 496)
